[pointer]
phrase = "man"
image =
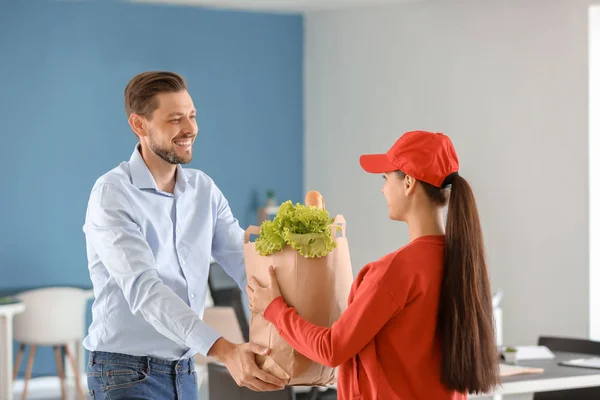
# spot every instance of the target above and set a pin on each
(151, 227)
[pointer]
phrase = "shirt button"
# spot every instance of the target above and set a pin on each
(178, 231)
(183, 262)
(192, 295)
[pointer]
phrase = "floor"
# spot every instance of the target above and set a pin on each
(44, 388)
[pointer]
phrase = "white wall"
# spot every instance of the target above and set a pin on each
(507, 81)
(594, 175)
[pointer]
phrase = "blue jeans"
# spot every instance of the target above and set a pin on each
(119, 376)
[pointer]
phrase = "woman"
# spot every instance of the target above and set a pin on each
(419, 322)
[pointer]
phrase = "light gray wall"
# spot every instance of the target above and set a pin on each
(508, 82)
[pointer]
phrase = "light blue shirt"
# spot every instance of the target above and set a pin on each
(149, 254)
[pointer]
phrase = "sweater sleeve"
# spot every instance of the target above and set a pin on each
(371, 309)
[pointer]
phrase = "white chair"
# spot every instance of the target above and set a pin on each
(53, 317)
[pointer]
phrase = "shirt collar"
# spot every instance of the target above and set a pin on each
(142, 178)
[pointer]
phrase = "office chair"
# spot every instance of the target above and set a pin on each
(570, 345)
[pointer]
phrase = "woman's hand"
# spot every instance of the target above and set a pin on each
(260, 297)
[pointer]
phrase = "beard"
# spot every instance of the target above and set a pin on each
(168, 153)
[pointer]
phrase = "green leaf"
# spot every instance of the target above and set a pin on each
(311, 244)
(270, 240)
(305, 228)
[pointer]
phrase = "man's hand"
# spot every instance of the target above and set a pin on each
(239, 360)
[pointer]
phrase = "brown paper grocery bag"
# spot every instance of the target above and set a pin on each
(317, 287)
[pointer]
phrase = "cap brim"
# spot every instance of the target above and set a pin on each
(376, 163)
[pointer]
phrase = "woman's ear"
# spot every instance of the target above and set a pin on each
(410, 184)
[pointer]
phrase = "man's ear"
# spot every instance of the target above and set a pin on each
(138, 125)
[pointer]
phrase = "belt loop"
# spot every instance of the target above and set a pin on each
(148, 365)
(92, 356)
(190, 366)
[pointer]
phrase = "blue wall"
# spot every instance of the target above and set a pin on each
(63, 68)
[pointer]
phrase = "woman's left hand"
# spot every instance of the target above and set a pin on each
(260, 297)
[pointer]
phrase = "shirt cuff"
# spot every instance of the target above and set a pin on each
(275, 309)
(202, 338)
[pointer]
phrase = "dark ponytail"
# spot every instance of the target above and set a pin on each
(465, 317)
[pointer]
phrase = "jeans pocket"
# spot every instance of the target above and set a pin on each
(95, 385)
(123, 376)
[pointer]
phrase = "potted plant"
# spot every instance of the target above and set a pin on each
(510, 355)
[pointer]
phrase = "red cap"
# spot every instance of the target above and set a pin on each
(427, 156)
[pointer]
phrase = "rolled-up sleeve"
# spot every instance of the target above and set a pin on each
(118, 240)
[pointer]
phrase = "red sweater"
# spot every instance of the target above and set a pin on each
(385, 341)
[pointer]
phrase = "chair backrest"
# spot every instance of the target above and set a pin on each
(52, 316)
(224, 320)
(570, 345)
